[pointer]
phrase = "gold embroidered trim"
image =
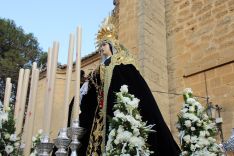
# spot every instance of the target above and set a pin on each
(96, 137)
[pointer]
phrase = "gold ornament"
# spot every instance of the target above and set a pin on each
(108, 33)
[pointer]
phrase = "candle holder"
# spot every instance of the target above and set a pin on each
(62, 143)
(44, 147)
(75, 133)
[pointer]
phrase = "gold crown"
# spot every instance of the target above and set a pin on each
(107, 32)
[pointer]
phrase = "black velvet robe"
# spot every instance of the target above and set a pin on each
(161, 141)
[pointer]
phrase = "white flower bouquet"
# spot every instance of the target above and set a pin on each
(127, 132)
(196, 130)
(9, 142)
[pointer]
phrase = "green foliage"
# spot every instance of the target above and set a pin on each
(17, 50)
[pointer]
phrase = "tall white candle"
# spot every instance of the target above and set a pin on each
(68, 78)
(31, 112)
(7, 93)
(18, 93)
(76, 108)
(50, 90)
(29, 108)
(48, 64)
(19, 123)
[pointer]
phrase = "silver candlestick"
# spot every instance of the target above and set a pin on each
(75, 133)
(44, 147)
(62, 143)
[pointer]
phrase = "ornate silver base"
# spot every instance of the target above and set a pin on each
(75, 132)
(44, 147)
(62, 143)
(74, 146)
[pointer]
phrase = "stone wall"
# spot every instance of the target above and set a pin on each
(200, 43)
(142, 29)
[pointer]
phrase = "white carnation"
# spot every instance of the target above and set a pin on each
(191, 109)
(136, 131)
(126, 100)
(187, 138)
(202, 142)
(133, 121)
(192, 148)
(134, 103)
(7, 109)
(211, 139)
(184, 110)
(193, 128)
(9, 149)
(205, 117)
(34, 138)
(112, 132)
(124, 89)
(202, 134)
(188, 91)
(136, 141)
(191, 101)
(7, 136)
(138, 117)
(193, 139)
(187, 123)
(198, 124)
(122, 136)
(119, 114)
(13, 137)
(40, 131)
(190, 116)
(4, 116)
(210, 126)
(16, 144)
(116, 141)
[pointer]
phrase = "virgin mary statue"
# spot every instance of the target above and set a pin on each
(117, 69)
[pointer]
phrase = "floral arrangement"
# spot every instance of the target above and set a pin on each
(127, 132)
(9, 142)
(35, 141)
(196, 129)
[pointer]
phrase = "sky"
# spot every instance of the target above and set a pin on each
(54, 20)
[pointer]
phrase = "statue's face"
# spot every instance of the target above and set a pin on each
(105, 48)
